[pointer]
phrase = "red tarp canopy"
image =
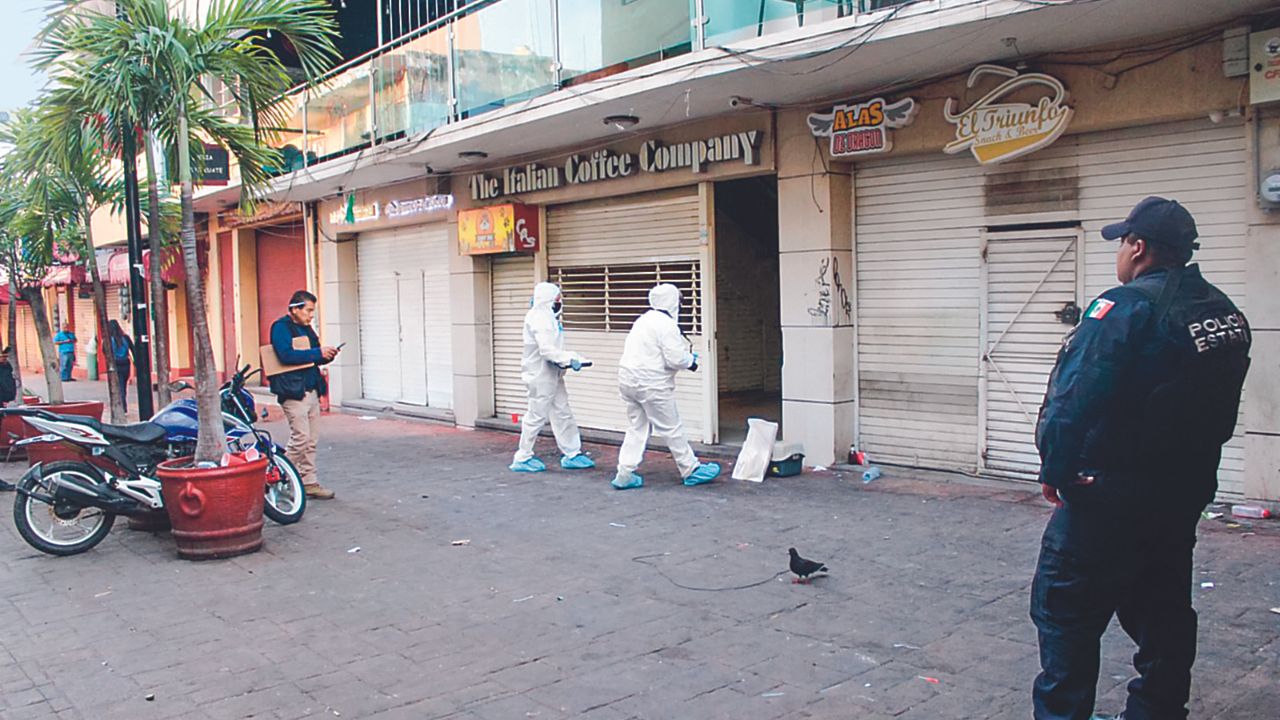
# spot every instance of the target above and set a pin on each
(117, 271)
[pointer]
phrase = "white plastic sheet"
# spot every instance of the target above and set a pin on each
(757, 451)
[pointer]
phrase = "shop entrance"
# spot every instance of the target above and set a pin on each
(748, 325)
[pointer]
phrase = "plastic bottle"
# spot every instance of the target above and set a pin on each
(1250, 511)
(870, 474)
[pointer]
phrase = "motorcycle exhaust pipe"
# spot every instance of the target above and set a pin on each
(74, 492)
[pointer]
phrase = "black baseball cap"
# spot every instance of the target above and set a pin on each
(1157, 220)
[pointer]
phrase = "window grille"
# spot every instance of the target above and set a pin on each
(609, 298)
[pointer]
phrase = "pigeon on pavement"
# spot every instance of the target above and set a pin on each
(804, 568)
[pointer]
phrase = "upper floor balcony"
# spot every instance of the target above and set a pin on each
(491, 54)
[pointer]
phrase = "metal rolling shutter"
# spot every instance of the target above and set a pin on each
(437, 315)
(377, 261)
(629, 238)
(405, 323)
(917, 245)
(86, 327)
(512, 288)
(1203, 166)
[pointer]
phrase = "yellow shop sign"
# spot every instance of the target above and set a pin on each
(995, 131)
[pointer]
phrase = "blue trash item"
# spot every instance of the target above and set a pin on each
(705, 473)
(630, 483)
(870, 474)
(577, 462)
(532, 465)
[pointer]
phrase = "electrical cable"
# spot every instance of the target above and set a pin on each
(641, 559)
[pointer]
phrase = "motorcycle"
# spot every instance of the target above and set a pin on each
(67, 507)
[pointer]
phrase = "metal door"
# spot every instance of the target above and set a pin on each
(1031, 298)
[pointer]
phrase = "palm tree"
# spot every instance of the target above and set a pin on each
(66, 154)
(38, 206)
(122, 64)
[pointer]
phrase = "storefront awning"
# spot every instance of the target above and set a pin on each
(65, 275)
(117, 266)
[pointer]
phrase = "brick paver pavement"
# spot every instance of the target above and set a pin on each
(567, 601)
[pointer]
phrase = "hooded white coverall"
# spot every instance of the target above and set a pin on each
(654, 352)
(540, 369)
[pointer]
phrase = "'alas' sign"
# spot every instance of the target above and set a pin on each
(862, 128)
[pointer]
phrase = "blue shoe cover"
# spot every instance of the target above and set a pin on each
(705, 473)
(532, 465)
(577, 462)
(621, 483)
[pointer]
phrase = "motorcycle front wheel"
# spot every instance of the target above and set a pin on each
(286, 499)
(60, 529)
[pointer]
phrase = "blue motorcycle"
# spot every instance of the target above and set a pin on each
(68, 506)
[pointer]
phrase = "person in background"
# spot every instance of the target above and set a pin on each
(8, 392)
(655, 350)
(298, 391)
(66, 342)
(8, 386)
(121, 354)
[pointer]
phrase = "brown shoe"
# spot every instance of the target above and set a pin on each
(318, 492)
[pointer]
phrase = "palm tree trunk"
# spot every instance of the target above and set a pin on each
(13, 335)
(34, 296)
(159, 296)
(115, 393)
(210, 441)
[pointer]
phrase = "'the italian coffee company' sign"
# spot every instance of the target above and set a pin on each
(995, 131)
(654, 157)
(862, 128)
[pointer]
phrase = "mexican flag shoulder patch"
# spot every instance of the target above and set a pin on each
(1100, 308)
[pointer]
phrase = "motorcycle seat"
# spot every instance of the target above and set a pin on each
(143, 432)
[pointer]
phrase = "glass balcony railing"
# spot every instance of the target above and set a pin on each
(491, 54)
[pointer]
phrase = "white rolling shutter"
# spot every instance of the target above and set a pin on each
(405, 334)
(917, 243)
(512, 284)
(608, 254)
(918, 228)
(437, 314)
(1201, 165)
(376, 261)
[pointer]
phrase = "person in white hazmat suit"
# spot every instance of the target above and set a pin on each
(542, 368)
(654, 352)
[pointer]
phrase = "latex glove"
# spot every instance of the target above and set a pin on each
(576, 364)
(694, 366)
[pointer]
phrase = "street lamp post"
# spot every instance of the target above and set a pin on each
(137, 273)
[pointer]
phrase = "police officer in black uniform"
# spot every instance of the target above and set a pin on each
(1145, 392)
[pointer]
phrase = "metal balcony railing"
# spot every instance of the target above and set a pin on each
(488, 54)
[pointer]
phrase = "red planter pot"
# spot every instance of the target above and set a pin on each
(12, 425)
(215, 512)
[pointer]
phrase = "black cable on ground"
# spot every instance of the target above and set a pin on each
(641, 559)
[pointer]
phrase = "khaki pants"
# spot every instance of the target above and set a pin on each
(304, 431)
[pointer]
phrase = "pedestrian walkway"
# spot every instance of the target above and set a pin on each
(439, 585)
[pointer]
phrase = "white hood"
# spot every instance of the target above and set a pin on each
(666, 297)
(544, 295)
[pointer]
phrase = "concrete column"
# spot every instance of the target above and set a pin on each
(1262, 306)
(340, 298)
(816, 282)
(472, 311)
(213, 292)
(245, 270)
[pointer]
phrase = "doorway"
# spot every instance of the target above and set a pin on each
(1033, 285)
(748, 324)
